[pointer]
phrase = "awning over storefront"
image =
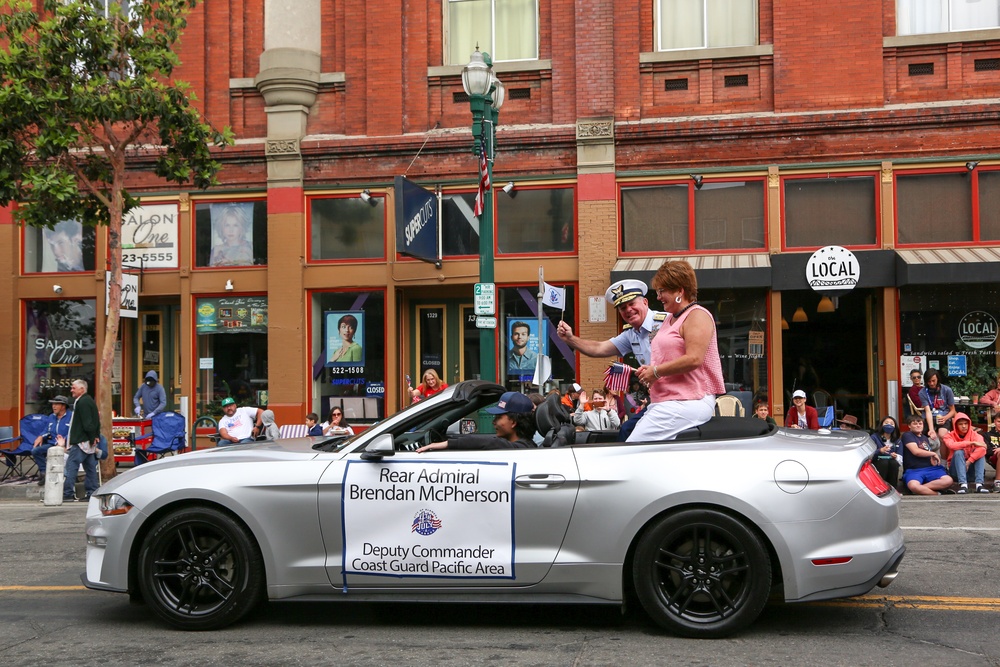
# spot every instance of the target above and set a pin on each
(713, 271)
(878, 269)
(947, 265)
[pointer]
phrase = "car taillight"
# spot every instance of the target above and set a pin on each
(873, 481)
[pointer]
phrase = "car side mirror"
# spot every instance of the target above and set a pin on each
(379, 448)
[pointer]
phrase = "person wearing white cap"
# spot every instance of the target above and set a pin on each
(801, 415)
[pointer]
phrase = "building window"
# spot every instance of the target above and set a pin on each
(230, 234)
(59, 347)
(460, 227)
(934, 208)
(701, 24)
(506, 29)
(348, 352)
(724, 215)
(67, 247)
(538, 220)
(989, 205)
(830, 211)
(232, 351)
(347, 228)
(918, 17)
(740, 316)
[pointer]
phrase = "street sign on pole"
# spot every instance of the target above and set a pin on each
(486, 322)
(485, 299)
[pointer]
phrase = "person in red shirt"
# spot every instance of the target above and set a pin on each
(801, 415)
(965, 449)
(431, 385)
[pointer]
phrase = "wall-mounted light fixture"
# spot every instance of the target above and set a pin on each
(229, 286)
(697, 181)
(971, 166)
(57, 289)
(509, 189)
(366, 196)
(800, 315)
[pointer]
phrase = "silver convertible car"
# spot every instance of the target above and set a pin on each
(702, 531)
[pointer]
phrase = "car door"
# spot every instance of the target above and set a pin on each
(446, 518)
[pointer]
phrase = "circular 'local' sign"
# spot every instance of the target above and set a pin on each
(833, 268)
(978, 329)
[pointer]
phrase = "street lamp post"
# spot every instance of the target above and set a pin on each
(486, 95)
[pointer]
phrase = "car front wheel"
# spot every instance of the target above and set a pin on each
(702, 573)
(200, 569)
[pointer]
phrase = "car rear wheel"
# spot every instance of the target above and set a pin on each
(199, 569)
(702, 573)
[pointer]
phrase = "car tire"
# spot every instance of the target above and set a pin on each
(200, 569)
(702, 573)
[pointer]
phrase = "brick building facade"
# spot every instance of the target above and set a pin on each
(627, 145)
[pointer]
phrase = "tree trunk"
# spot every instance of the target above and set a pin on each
(103, 380)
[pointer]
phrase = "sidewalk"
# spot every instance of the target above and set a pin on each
(27, 489)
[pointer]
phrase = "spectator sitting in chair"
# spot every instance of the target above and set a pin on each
(762, 412)
(848, 423)
(801, 415)
(315, 429)
(965, 449)
(270, 429)
(938, 404)
(238, 425)
(992, 439)
(992, 397)
(58, 426)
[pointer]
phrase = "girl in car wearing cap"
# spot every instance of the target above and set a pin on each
(514, 424)
(801, 415)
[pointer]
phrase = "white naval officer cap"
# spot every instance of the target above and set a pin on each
(624, 291)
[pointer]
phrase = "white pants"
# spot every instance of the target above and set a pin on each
(664, 420)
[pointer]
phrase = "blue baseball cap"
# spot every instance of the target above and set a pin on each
(512, 401)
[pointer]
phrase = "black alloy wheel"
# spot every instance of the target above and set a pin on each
(200, 569)
(702, 573)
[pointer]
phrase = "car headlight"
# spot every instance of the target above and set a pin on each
(113, 505)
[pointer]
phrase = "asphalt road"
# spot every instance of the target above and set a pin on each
(943, 609)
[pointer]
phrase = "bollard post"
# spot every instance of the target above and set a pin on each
(55, 475)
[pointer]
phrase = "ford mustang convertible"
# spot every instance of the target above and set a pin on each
(702, 531)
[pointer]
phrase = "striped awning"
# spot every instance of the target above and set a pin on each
(713, 271)
(947, 265)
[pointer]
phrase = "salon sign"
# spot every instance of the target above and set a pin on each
(149, 237)
(833, 269)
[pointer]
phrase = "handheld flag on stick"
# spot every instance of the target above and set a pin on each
(554, 296)
(616, 377)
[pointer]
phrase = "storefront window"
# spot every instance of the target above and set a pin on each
(952, 328)
(59, 347)
(934, 208)
(347, 228)
(348, 352)
(230, 233)
(536, 220)
(67, 247)
(460, 227)
(989, 205)
(522, 341)
(830, 211)
(232, 351)
(727, 215)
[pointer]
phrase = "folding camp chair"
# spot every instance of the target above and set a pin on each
(17, 460)
(826, 417)
(169, 434)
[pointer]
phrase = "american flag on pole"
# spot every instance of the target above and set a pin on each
(617, 376)
(484, 185)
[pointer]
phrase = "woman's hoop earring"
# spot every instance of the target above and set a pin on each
(677, 299)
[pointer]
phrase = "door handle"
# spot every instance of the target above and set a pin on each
(541, 481)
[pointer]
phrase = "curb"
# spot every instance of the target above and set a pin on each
(29, 490)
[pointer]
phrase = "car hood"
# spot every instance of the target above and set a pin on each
(290, 449)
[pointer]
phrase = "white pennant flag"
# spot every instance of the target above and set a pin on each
(554, 296)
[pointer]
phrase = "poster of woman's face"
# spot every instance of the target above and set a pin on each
(232, 234)
(344, 336)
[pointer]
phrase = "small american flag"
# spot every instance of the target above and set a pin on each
(617, 376)
(484, 185)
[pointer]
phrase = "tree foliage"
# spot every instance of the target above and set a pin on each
(87, 95)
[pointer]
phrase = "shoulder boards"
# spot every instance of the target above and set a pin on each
(626, 327)
(659, 317)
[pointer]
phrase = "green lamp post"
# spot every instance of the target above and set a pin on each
(486, 95)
